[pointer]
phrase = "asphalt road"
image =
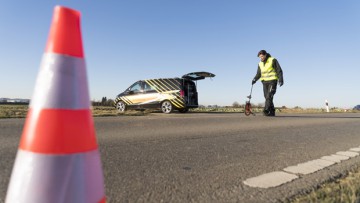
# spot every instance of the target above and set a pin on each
(206, 157)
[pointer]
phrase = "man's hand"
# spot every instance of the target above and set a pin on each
(281, 83)
(253, 82)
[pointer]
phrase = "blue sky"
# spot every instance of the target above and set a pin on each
(315, 42)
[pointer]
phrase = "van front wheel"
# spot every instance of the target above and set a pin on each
(121, 106)
(167, 107)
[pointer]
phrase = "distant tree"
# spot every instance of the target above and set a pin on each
(260, 105)
(109, 102)
(236, 104)
(103, 101)
(95, 103)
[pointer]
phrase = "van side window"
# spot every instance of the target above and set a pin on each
(135, 87)
(148, 88)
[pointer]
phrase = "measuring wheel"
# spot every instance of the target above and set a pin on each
(248, 105)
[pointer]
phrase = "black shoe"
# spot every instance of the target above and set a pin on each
(268, 113)
(265, 112)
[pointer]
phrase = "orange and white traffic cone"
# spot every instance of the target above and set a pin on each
(58, 158)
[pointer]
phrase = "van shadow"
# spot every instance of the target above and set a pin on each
(211, 112)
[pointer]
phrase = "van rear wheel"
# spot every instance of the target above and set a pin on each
(167, 107)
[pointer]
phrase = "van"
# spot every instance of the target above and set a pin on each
(167, 94)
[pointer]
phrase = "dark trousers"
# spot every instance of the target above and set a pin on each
(269, 92)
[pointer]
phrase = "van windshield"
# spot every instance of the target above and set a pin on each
(135, 87)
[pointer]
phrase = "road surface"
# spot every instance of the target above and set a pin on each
(211, 157)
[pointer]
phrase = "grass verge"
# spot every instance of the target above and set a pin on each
(341, 190)
(20, 111)
(13, 111)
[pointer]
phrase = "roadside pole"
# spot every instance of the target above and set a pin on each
(327, 105)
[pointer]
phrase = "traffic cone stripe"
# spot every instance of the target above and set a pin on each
(62, 38)
(67, 178)
(52, 131)
(61, 83)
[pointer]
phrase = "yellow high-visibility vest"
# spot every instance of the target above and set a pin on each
(267, 70)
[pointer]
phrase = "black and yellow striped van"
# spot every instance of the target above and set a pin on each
(167, 94)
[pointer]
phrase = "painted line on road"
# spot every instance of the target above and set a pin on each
(348, 153)
(277, 178)
(309, 167)
(335, 158)
(357, 149)
(272, 179)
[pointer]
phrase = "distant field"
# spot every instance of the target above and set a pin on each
(20, 111)
(282, 110)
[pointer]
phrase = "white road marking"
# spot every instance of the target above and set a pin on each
(324, 163)
(335, 158)
(348, 153)
(277, 178)
(355, 149)
(272, 179)
(309, 167)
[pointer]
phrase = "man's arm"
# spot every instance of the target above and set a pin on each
(279, 71)
(258, 74)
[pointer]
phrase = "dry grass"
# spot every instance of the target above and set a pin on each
(20, 111)
(111, 111)
(104, 111)
(341, 190)
(282, 110)
(13, 111)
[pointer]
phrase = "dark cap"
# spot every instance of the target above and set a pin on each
(262, 52)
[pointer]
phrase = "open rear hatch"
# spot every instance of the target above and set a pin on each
(198, 75)
(189, 85)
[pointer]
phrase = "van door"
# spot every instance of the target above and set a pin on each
(198, 75)
(190, 92)
(151, 96)
(134, 94)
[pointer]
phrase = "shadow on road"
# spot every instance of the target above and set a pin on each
(316, 116)
(203, 112)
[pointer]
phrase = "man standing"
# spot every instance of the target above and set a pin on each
(270, 73)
